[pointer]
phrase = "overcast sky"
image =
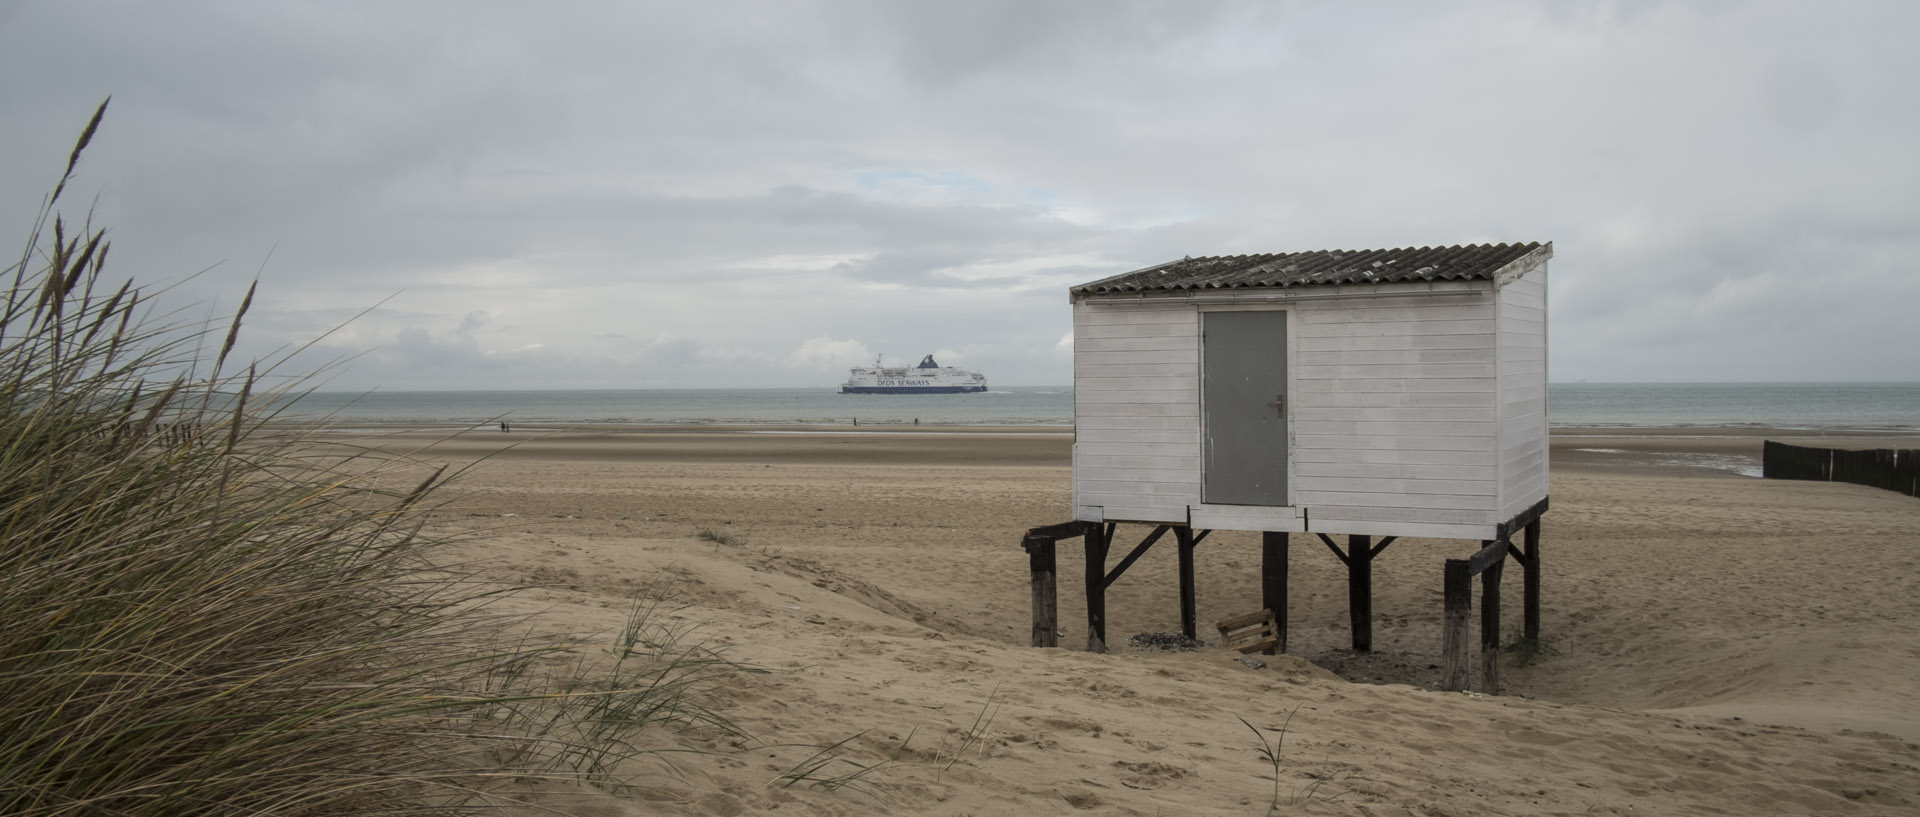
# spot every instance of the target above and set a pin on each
(633, 195)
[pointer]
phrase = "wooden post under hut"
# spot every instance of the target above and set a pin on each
(1273, 582)
(1189, 606)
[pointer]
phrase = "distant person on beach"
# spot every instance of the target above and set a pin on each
(503, 426)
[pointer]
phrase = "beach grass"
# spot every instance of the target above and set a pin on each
(830, 769)
(202, 615)
(719, 537)
(1526, 652)
(1274, 754)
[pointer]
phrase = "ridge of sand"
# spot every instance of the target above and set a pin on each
(1723, 645)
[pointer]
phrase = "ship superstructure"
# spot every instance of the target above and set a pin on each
(927, 378)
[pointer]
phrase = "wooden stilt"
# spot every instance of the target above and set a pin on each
(1459, 602)
(1530, 584)
(1046, 599)
(1189, 607)
(1453, 638)
(1360, 590)
(1490, 628)
(1273, 582)
(1097, 541)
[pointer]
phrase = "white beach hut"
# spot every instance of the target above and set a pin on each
(1372, 393)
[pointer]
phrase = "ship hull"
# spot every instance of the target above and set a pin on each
(927, 378)
(912, 389)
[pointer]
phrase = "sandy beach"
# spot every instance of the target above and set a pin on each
(1719, 644)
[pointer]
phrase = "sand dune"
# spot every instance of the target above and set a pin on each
(1721, 645)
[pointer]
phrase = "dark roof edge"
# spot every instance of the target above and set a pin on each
(1519, 267)
(1320, 268)
(1289, 293)
(1072, 289)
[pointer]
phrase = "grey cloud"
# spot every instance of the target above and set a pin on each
(652, 194)
(678, 353)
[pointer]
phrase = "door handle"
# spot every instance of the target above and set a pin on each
(1280, 406)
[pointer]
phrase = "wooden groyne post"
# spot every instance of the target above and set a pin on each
(1896, 470)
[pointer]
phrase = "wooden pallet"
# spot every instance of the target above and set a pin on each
(1253, 632)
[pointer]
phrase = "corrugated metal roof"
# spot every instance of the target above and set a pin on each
(1473, 262)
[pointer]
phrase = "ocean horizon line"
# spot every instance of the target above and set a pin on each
(439, 389)
(1875, 406)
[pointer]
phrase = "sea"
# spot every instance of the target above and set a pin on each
(1815, 406)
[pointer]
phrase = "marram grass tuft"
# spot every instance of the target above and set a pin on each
(199, 616)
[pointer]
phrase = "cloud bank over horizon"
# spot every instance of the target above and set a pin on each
(766, 193)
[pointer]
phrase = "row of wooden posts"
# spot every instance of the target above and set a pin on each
(1358, 556)
(1896, 470)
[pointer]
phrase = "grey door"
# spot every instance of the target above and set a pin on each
(1243, 385)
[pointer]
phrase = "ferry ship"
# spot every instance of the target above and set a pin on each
(927, 378)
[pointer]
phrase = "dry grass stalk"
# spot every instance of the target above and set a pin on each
(203, 618)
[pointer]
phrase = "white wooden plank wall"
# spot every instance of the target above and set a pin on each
(1394, 414)
(1136, 387)
(1523, 392)
(1396, 409)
